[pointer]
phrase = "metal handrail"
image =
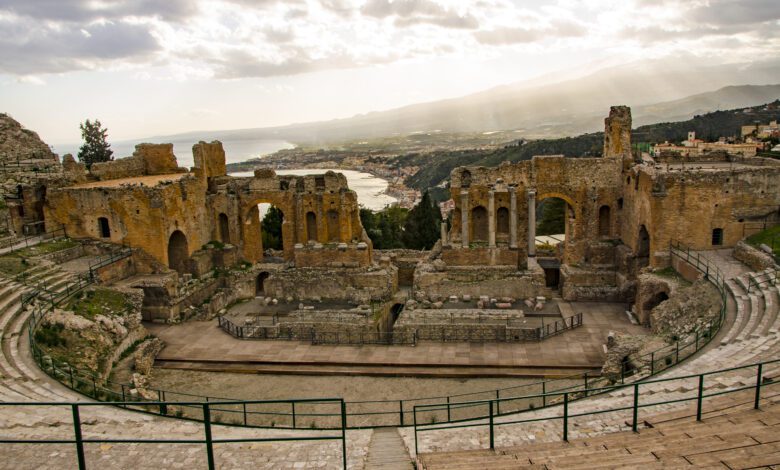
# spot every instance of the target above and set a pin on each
(494, 404)
(208, 439)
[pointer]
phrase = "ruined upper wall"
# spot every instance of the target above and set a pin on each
(148, 159)
(209, 158)
(16, 142)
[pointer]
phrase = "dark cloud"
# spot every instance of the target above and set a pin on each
(279, 36)
(29, 49)
(736, 12)
(412, 12)
(84, 11)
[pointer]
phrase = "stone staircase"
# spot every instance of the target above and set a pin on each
(733, 435)
(386, 451)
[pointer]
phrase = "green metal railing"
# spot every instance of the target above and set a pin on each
(209, 440)
(378, 413)
(34, 239)
(421, 412)
(768, 278)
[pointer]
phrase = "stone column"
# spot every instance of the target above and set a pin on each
(531, 223)
(464, 217)
(512, 217)
(444, 234)
(492, 218)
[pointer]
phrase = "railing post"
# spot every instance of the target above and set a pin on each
(449, 418)
(163, 406)
(652, 363)
(758, 386)
(585, 376)
(207, 429)
(401, 412)
(636, 407)
(677, 352)
(700, 397)
(293, 413)
(244, 413)
(79, 441)
(498, 404)
(414, 420)
(566, 417)
(492, 443)
(344, 433)
(544, 394)
(697, 341)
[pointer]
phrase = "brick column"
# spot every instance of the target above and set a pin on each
(531, 223)
(512, 217)
(464, 217)
(492, 218)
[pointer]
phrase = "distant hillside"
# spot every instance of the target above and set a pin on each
(436, 166)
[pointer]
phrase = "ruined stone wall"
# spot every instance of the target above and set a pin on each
(756, 259)
(688, 205)
(493, 281)
(140, 216)
(147, 159)
(355, 285)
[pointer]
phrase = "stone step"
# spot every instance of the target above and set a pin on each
(387, 451)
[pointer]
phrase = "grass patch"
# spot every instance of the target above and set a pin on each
(670, 273)
(13, 265)
(46, 247)
(98, 301)
(50, 336)
(766, 237)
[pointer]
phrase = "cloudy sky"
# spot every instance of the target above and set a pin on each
(148, 67)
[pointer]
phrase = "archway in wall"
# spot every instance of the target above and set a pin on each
(553, 214)
(311, 226)
(643, 247)
(332, 221)
(178, 252)
(654, 301)
(502, 221)
(605, 221)
(103, 227)
(224, 228)
(260, 284)
(479, 224)
(271, 219)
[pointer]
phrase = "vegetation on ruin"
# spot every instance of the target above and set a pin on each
(385, 227)
(96, 148)
(99, 301)
(669, 273)
(769, 237)
(46, 247)
(13, 265)
(422, 227)
(552, 220)
(271, 228)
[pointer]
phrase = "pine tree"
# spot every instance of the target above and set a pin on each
(96, 148)
(423, 225)
(271, 228)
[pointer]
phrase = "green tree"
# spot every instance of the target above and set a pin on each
(422, 227)
(95, 148)
(553, 218)
(271, 228)
(384, 227)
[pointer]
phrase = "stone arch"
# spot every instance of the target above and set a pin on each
(260, 283)
(502, 220)
(654, 301)
(103, 227)
(311, 226)
(178, 252)
(479, 224)
(224, 228)
(605, 220)
(332, 222)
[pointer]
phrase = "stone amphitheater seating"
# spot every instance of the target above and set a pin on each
(668, 436)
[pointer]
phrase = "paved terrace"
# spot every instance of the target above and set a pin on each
(203, 346)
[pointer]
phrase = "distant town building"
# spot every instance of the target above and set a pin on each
(697, 147)
(446, 207)
(762, 131)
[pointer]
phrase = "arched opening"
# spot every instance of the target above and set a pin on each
(178, 252)
(654, 301)
(502, 220)
(332, 219)
(260, 284)
(103, 227)
(643, 248)
(311, 226)
(224, 228)
(479, 224)
(717, 237)
(604, 221)
(271, 220)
